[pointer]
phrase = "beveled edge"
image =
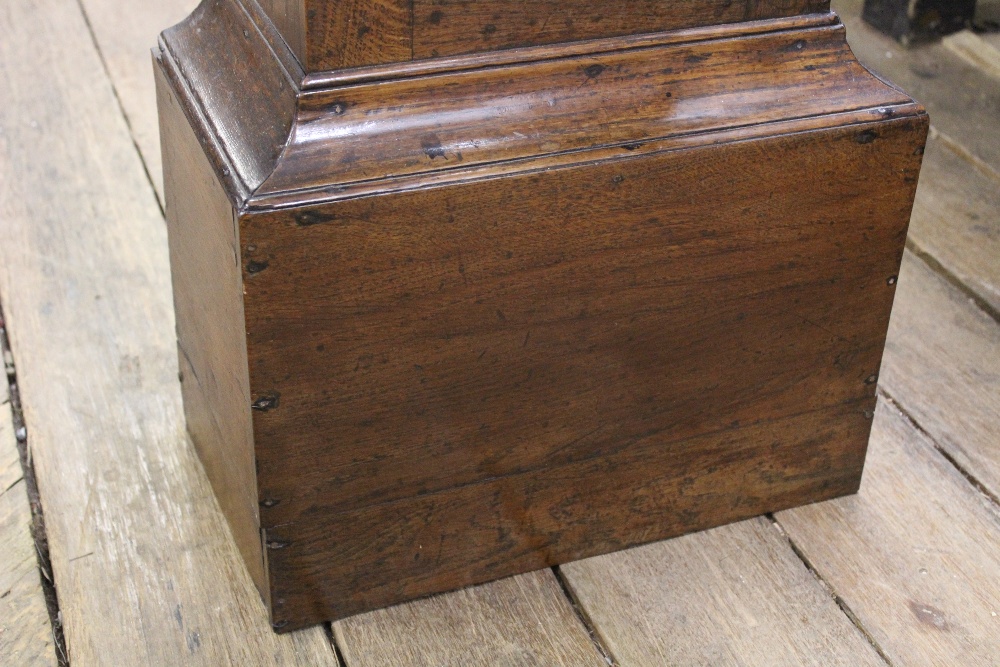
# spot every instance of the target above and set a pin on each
(248, 144)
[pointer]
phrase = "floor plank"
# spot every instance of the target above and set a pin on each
(962, 100)
(736, 595)
(125, 33)
(956, 219)
(524, 620)
(941, 365)
(978, 51)
(25, 631)
(146, 571)
(915, 556)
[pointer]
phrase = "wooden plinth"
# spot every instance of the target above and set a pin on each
(443, 321)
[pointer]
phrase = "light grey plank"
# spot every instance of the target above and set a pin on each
(146, 570)
(125, 32)
(524, 620)
(916, 555)
(735, 595)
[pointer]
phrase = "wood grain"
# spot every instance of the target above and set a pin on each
(245, 121)
(331, 565)
(25, 630)
(124, 34)
(211, 336)
(916, 554)
(469, 295)
(941, 365)
(623, 99)
(336, 34)
(961, 99)
(523, 620)
(289, 17)
(144, 565)
(736, 595)
(449, 27)
(956, 219)
(533, 353)
(389, 71)
(353, 33)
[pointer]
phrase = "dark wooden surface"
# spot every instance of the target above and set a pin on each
(455, 334)
(560, 107)
(551, 330)
(339, 564)
(450, 27)
(85, 284)
(333, 34)
(510, 314)
(211, 347)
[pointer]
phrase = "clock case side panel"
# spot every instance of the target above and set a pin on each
(211, 332)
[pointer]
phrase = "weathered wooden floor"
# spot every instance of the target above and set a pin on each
(905, 573)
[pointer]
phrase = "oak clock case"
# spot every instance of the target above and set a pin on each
(455, 303)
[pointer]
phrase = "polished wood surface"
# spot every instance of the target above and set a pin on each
(495, 351)
(451, 27)
(558, 109)
(504, 312)
(334, 34)
(908, 558)
(211, 348)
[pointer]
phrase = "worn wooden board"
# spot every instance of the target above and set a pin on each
(981, 52)
(993, 38)
(145, 568)
(736, 595)
(956, 219)
(942, 366)
(916, 555)
(962, 99)
(125, 32)
(25, 630)
(523, 620)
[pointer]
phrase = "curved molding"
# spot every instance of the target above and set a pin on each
(279, 139)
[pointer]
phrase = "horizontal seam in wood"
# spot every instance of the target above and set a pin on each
(334, 79)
